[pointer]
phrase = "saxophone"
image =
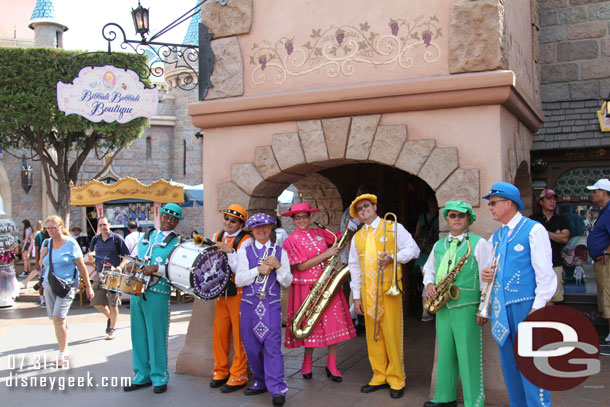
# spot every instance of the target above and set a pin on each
(325, 288)
(445, 289)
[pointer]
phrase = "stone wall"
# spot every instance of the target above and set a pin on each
(574, 49)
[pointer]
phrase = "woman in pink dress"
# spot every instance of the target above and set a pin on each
(308, 249)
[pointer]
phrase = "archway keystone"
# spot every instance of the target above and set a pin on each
(361, 134)
(387, 144)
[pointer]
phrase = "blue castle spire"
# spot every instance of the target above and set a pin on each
(44, 12)
(192, 33)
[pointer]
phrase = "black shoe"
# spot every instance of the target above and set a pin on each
(367, 388)
(337, 379)
(227, 388)
(278, 400)
(135, 386)
(217, 383)
(253, 392)
(307, 376)
(396, 394)
(160, 389)
(433, 404)
(107, 327)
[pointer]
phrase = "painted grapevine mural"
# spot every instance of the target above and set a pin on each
(340, 50)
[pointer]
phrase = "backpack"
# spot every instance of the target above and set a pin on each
(115, 237)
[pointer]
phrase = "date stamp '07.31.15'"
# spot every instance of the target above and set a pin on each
(32, 371)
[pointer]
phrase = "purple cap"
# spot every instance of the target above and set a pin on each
(260, 219)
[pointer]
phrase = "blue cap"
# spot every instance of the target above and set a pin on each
(173, 210)
(506, 190)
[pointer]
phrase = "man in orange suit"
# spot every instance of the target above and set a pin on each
(226, 315)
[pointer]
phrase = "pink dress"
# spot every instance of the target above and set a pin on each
(336, 323)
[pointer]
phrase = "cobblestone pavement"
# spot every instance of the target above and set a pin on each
(27, 338)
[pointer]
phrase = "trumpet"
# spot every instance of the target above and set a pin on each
(261, 293)
(483, 310)
(394, 289)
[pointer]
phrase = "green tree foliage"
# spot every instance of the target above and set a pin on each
(31, 120)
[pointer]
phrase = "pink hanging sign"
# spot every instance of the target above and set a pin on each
(107, 93)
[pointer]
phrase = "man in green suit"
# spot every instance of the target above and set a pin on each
(458, 329)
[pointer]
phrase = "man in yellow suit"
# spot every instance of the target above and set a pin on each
(371, 253)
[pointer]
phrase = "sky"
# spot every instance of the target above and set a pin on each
(85, 19)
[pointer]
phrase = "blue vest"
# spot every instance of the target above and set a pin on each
(516, 275)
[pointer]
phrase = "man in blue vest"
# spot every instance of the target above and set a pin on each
(150, 313)
(524, 282)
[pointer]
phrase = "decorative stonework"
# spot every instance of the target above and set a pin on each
(254, 185)
(475, 36)
(340, 50)
(228, 74)
(361, 134)
(232, 19)
(388, 143)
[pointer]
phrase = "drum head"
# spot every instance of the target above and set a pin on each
(211, 274)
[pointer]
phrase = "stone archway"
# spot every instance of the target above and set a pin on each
(320, 144)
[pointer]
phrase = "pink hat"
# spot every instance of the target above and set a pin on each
(300, 207)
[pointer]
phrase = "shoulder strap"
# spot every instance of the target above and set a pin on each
(117, 243)
(220, 235)
(240, 236)
(147, 234)
(94, 242)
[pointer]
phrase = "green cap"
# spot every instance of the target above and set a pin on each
(460, 206)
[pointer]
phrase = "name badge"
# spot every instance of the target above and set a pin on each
(519, 247)
(318, 238)
(159, 260)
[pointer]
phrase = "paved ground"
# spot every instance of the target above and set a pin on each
(27, 338)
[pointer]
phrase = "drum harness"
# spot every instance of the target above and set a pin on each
(148, 254)
(231, 289)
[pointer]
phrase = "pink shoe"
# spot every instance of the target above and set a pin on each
(331, 369)
(307, 366)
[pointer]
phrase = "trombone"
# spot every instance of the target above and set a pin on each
(394, 290)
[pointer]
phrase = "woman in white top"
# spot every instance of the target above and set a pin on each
(26, 247)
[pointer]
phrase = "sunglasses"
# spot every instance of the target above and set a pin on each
(231, 219)
(457, 215)
(168, 217)
(301, 217)
(493, 203)
(362, 207)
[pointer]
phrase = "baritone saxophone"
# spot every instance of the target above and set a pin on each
(323, 291)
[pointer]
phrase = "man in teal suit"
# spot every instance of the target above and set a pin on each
(150, 313)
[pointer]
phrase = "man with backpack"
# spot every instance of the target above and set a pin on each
(107, 247)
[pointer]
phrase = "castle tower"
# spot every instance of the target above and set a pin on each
(48, 32)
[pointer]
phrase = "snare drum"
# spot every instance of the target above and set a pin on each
(133, 284)
(199, 270)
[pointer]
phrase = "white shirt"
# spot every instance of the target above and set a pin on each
(131, 241)
(407, 250)
(232, 257)
(542, 260)
(245, 275)
(482, 253)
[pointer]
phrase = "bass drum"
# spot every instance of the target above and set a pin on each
(202, 271)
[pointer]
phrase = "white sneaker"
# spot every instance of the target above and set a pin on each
(110, 336)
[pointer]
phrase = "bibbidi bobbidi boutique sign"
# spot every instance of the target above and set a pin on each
(107, 93)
